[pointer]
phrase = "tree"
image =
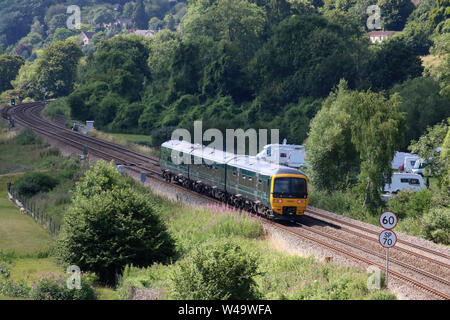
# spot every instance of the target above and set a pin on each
(416, 94)
(139, 18)
(27, 80)
(377, 131)
(354, 129)
(306, 56)
(394, 13)
(393, 62)
(429, 147)
(237, 21)
(57, 67)
(9, 68)
(331, 156)
(109, 225)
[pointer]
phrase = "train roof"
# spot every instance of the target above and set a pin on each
(245, 162)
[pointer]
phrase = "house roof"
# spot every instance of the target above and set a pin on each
(88, 34)
(145, 33)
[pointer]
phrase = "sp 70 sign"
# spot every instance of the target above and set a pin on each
(387, 238)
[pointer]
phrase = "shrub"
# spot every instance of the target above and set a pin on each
(5, 265)
(437, 226)
(382, 295)
(111, 229)
(52, 152)
(59, 106)
(52, 288)
(410, 203)
(218, 271)
(12, 289)
(34, 182)
(27, 137)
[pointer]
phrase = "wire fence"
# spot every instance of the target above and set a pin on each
(29, 208)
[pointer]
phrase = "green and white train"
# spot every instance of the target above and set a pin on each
(242, 181)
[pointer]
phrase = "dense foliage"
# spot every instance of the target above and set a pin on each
(216, 272)
(109, 225)
(34, 182)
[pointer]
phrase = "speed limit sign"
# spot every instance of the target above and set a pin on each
(387, 238)
(388, 220)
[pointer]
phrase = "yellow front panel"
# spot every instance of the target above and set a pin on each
(277, 206)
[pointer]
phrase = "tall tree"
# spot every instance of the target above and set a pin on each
(57, 67)
(355, 129)
(394, 13)
(237, 21)
(9, 68)
(139, 18)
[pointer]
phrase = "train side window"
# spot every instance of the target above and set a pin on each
(243, 177)
(234, 173)
(414, 181)
(283, 155)
(250, 179)
(404, 180)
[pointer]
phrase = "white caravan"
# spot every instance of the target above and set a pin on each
(419, 166)
(409, 163)
(405, 181)
(285, 154)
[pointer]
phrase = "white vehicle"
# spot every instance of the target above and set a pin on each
(398, 159)
(409, 163)
(405, 181)
(419, 166)
(285, 154)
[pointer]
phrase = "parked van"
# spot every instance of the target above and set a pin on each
(405, 181)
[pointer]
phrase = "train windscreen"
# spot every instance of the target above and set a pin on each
(289, 188)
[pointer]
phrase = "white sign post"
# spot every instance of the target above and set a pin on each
(388, 238)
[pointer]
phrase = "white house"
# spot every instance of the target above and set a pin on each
(379, 36)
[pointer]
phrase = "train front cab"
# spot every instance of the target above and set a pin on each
(289, 195)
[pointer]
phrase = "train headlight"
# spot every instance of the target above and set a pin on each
(278, 201)
(300, 201)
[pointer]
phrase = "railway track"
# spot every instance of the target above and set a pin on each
(29, 115)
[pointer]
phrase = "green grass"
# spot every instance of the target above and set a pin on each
(18, 232)
(134, 138)
(284, 275)
(31, 270)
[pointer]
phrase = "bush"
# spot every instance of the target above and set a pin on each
(382, 295)
(219, 271)
(34, 182)
(12, 289)
(104, 230)
(437, 226)
(59, 106)
(27, 137)
(410, 203)
(52, 288)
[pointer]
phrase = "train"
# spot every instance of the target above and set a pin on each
(243, 181)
